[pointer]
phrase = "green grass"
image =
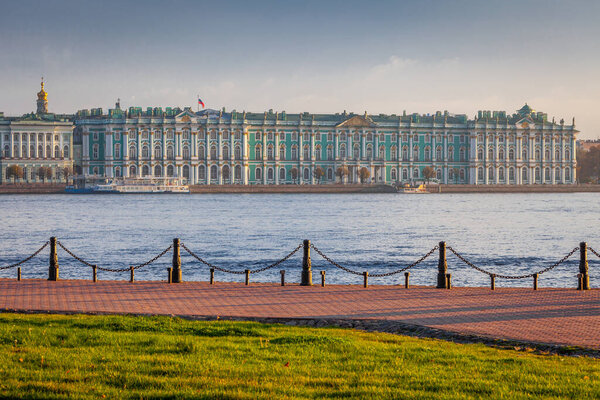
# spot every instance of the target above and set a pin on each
(55, 356)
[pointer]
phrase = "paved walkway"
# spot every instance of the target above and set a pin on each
(553, 316)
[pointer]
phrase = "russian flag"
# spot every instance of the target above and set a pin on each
(200, 102)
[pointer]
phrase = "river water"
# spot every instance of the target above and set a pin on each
(510, 234)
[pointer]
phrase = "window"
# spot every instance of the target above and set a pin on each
(201, 135)
(40, 153)
(170, 153)
(213, 152)
(226, 173)
(282, 135)
(501, 154)
(538, 154)
(282, 174)
(438, 174)
(547, 174)
(96, 171)
(186, 153)
(225, 135)
(213, 173)
(330, 174)
(94, 151)
(306, 153)
(294, 136)
(330, 137)
(117, 137)
(369, 152)
(491, 173)
(556, 155)
(95, 137)
(404, 174)
(306, 174)
(258, 173)
(480, 173)
(258, 152)
(567, 155)
(394, 153)
(145, 170)
(226, 152)
(157, 170)
(427, 153)
(201, 172)
(282, 152)
(568, 174)
(480, 153)
(393, 174)
(117, 150)
(48, 151)
(524, 174)
(343, 151)
(132, 170)
(238, 135)
(511, 154)
(382, 137)
(145, 136)
(416, 173)
(170, 170)
(462, 174)
(270, 153)
(382, 153)
(257, 136)
(538, 177)
(416, 153)
(356, 137)
(237, 172)
(329, 153)
(270, 137)
(186, 134)
(438, 153)
(524, 154)
(201, 152)
(237, 152)
(318, 153)
(501, 174)
(294, 152)
(132, 152)
(145, 153)
(270, 174)
(557, 174)
(369, 137)
(405, 154)
(511, 174)
(490, 153)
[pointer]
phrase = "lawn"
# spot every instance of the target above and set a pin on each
(56, 356)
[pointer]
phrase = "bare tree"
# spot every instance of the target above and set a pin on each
(15, 172)
(294, 174)
(364, 174)
(319, 173)
(428, 173)
(342, 171)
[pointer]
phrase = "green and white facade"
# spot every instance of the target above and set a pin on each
(212, 147)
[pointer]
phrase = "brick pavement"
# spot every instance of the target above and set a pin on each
(553, 316)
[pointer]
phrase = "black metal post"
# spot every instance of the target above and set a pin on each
(176, 273)
(306, 266)
(442, 267)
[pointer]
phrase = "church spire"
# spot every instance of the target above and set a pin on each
(42, 100)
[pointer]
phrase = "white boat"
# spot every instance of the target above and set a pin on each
(142, 185)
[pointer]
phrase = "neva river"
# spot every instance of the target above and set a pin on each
(510, 234)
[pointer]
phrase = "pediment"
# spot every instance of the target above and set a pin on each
(185, 116)
(357, 121)
(525, 123)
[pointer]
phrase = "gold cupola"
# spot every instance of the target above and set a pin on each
(42, 100)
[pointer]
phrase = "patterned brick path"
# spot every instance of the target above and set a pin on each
(554, 316)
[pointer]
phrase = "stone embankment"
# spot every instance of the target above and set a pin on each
(328, 188)
(32, 188)
(512, 188)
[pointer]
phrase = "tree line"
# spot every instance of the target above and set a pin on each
(15, 172)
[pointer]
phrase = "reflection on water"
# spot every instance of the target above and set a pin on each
(506, 233)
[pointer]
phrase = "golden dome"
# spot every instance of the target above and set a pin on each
(42, 95)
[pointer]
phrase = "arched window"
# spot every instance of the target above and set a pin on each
(186, 153)
(511, 174)
(282, 174)
(306, 153)
(186, 171)
(463, 154)
(237, 172)
(270, 174)
(213, 152)
(416, 173)
(394, 153)
(524, 174)
(490, 153)
(201, 152)
(382, 152)
(186, 134)
(270, 152)
(213, 136)
(557, 174)
(501, 174)
(557, 155)
(226, 173)
(438, 174)
(40, 153)
(95, 151)
(438, 153)
(393, 174)
(547, 174)
(356, 138)
(306, 174)
(416, 153)
(225, 152)
(511, 154)
(356, 151)
(237, 152)
(257, 136)
(537, 154)
(258, 152)
(480, 153)
(32, 151)
(318, 152)
(568, 174)
(547, 154)
(214, 172)
(501, 154)
(462, 174)
(404, 174)
(369, 152)
(491, 173)
(369, 137)
(145, 152)
(329, 153)
(258, 173)
(294, 152)
(330, 174)
(480, 173)
(538, 175)
(282, 152)
(567, 155)
(170, 170)
(132, 170)
(132, 153)
(56, 152)
(157, 152)
(157, 170)
(427, 153)
(404, 154)
(145, 170)
(201, 172)
(524, 154)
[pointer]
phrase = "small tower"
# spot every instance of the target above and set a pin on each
(42, 100)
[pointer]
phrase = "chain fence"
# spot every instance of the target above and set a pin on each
(335, 264)
(232, 271)
(470, 264)
(594, 252)
(26, 259)
(81, 260)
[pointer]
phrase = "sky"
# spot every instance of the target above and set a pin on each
(315, 56)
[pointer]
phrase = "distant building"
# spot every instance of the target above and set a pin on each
(586, 145)
(35, 140)
(211, 147)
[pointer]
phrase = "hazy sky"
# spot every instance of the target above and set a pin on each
(315, 56)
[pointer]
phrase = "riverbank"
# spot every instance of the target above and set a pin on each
(59, 188)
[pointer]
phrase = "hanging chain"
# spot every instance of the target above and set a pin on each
(231, 271)
(594, 251)
(373, 275)
(470, 264)
(27, 259)
(115, 269)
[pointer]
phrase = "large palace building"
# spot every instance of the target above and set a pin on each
(217, 147)
(214, 148)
